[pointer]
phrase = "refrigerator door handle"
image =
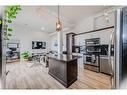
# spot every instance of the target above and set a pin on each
(111, 66)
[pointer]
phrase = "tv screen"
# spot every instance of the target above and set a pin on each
(38, 45)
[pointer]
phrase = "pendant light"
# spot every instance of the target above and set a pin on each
(58, 23)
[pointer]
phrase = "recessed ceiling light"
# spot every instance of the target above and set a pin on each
(42, 28)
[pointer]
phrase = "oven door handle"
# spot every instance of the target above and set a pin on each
(111, 65)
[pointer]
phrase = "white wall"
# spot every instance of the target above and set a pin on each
(85, 24)
(54, 37)
(53, 41)
(96, 21)
(103, 35)
(26, 36)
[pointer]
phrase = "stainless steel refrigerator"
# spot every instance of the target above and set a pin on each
(120, 74)
(0, 53)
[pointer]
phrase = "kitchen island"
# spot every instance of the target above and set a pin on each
(63, 68)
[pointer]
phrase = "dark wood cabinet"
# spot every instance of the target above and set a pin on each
(72, 71)
(63, 71)
(70, 42)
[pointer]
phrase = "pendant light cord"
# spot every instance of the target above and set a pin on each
(58, 12)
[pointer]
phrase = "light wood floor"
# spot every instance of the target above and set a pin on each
(22, 76)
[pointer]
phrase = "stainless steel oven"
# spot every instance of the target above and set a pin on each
(92, 62)
(92, 58)
(93, 45)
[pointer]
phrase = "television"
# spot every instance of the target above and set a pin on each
(38, 45)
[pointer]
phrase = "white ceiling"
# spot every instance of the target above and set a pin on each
(37, 17)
